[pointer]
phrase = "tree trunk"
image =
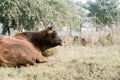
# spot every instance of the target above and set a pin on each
(9, 33)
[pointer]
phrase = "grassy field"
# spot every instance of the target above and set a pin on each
(72, 63)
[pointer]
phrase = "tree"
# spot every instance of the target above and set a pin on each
(82, 13)
(8, 15)
(28, 13)
(105, 12)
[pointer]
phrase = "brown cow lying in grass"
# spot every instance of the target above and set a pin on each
(25, 48)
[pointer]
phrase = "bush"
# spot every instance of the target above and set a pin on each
(49, 52)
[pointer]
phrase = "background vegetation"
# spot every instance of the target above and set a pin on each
(28, 14)
(31, 15)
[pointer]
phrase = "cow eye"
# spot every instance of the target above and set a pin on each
(54, 35)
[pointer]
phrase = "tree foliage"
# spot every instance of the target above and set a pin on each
(105, 11)
(82, 13)
(28, 13)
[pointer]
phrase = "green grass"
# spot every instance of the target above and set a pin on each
(72, 63)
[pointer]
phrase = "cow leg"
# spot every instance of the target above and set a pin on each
(22, 61)
(4, 62)
(41, 58)
(26, 63)
(25, 60)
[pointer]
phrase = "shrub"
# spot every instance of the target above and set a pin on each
(49, 52)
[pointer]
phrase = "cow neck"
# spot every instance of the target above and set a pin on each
(39, 40)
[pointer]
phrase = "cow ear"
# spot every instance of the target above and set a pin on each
(49, 28)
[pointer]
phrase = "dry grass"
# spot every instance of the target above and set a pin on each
(91, 37)
(72, 62)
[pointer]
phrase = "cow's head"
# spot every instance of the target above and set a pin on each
(52, 37)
